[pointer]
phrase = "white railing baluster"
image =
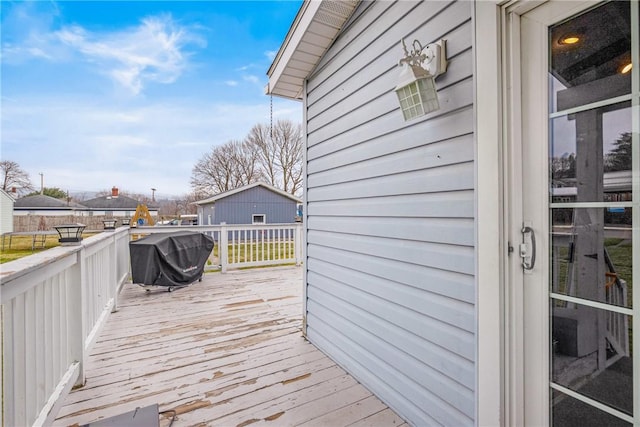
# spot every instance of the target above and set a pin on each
(260, 257)
(223, 249)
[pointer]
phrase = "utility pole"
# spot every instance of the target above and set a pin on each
(41, 183)
(153, 194)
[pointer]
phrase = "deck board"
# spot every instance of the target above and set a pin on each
(227, 351)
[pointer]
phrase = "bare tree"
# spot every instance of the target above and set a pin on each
(224, 168)
(280, 154)
(260, 138)
(14, 177)
(289, 142)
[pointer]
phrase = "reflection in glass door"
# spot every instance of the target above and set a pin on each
(593, 128)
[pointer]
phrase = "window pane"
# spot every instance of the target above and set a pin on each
(590, 155)
(588, 56)
(591, 354)
(592, 254)
(570, 412)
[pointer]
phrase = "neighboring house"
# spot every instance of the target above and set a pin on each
(6, 212)
(256, 203)
(439, 270)
(115, 205)
(44, 205)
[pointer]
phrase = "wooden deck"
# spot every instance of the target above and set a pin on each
(227, 351)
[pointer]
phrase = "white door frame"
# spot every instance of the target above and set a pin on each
(499, 391)
(500, 345)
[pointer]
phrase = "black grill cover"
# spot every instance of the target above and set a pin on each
(169, 259)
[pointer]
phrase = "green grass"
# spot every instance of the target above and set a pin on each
(21, 246)
(621, 254)
(258, 252)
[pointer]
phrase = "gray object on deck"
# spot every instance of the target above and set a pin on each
(169, 259)
(139, 417)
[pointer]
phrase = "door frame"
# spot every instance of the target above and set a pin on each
(531, 193)
(500, 322)
(500, 352)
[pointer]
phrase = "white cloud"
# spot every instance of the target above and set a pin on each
(231, 83)
(26, 31)
(251, 79)
(271, 54)
(83, 145)
(154, 51)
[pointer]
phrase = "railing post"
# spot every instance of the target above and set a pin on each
(223, 247)
(76, 321)
(115, 274)
(298, 243)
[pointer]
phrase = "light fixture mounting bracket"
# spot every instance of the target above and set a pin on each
(432, 57)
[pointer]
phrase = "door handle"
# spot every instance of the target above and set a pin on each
(526, 251)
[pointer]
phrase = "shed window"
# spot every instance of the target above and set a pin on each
(259, 219)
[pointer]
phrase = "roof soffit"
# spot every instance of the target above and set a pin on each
(314, 29)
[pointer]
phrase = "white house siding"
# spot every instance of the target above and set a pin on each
(390, 214)
(6, 212)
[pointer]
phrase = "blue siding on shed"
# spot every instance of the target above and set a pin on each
(239, 208)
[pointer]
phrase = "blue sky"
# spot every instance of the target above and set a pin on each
(132, 94)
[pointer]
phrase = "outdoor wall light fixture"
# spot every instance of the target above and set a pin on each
(416, 89)
(70, 234)
(109, 224)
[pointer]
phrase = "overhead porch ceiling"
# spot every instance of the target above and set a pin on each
(314, 29)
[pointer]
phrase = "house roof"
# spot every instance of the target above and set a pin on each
(44, 202)
(314, 29)
(114, 203)
(245, 188)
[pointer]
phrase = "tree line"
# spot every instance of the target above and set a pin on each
(272, 154)
(269, 154)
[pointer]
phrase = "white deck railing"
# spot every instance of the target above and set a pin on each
(55, 303)
(238, 246)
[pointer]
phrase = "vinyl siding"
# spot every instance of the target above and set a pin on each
(6, 213)
(390, 214)
(239, 208)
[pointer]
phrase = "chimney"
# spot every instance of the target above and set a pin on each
(114, 192)
(14, 190)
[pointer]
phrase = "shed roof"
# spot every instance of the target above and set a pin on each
(314, 29)
(42, 201)
(245, 188)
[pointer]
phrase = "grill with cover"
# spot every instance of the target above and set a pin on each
(169, 259)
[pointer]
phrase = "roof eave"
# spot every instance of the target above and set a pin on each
(311, 12)
(244, 188)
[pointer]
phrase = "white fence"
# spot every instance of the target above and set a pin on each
(55, 303)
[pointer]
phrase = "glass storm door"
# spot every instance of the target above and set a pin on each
(581, 210)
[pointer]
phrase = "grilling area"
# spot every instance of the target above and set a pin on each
(83, 344)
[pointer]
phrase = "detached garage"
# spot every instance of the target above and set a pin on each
(256, 203)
